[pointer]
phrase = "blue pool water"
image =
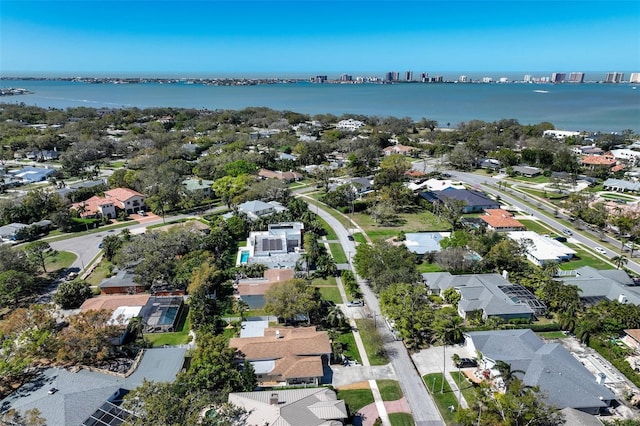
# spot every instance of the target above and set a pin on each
(168, 316)
(244, 256)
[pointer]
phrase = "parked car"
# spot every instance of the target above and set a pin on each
(466, 362)
(600, 250)
(142, 213)
(355, 303)
(560, 238)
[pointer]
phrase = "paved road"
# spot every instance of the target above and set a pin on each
(423, 408)
(586, 237)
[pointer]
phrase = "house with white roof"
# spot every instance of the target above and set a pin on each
(421, 243)
(541, 250)
(308, 406)
(256, 209)
(349, 124)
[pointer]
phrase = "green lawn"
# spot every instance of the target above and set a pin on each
(407, 222)
(349, 348)
(101, 271)
(57, 260)
(356, 398)
(372, 342)
(179, 337)
(389, 389)
(338, 253)
(331, 294)
(552, 334)
(91, 231)
(466, 386)
(359, 237)
(428, 267)
(401, 419)
(616, 196)
(537, 179)
(584, 258)
(536, 226)
(331, 235)
(325, 282)
(443, 400)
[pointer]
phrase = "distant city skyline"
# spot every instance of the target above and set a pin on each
(306, 38)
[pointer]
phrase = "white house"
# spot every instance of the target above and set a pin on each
(541, 250)
(349, 124)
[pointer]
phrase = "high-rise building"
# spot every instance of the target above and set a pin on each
(408, 76)
(392, 76)
(558, 77)
(463, 79)
(614, 77)
(635, 77)
(527, 78)
(424, 77)
(346, 77)
(576, 77)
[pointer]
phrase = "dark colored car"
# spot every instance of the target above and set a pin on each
(466, 362)
(350, 237)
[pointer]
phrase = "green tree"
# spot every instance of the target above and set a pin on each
(392, 169)
(408, 306)
(37, 252)
(384, 264)
(14, 285)
(451, 296)
(229, 187)
(71, 294)
(291, 300)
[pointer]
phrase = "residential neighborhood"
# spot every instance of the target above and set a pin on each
(262, 267)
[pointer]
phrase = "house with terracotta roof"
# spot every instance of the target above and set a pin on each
(252, 290)
(286, 356)
(595, 161)
(126, 199)
(305, 406)
(501, 221)
(107, 206)
(398, 149)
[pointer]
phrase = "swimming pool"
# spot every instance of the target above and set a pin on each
(244, 256)
(168, 316)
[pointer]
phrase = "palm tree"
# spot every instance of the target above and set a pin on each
(505, 373)
(550, 269)
(335, 317)
(620, 261)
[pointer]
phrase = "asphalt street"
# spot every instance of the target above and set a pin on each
(423, 408)
(588, 238)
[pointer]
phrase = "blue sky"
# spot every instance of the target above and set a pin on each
(309, 37)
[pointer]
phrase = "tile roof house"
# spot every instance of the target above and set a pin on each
(598, 161)
(96, 206)
(304, 406)
(84, 396)
(491, 294)
(609, 284)
(475, 201)
(562, 379)
(501, 220)
(252, 290)
(126, 199)
(398, 149)
(286, 356)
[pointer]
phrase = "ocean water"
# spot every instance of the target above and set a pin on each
(588, 106)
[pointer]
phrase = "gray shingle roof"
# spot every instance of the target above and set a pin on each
(79, 394)
(609, 284)
(563, 380)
